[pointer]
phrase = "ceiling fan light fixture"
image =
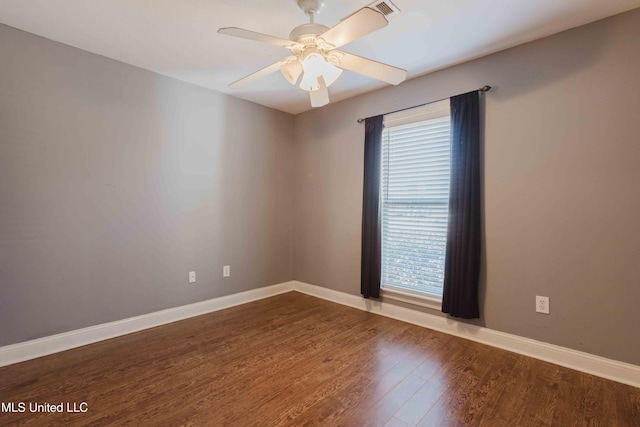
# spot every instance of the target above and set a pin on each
(314, 62)
(315, 66)
(320, 97)
(291, 71)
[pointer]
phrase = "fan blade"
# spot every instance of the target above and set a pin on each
(257, 75)
(259, 37)
(353, 27)
(371, 68)
(320, 97)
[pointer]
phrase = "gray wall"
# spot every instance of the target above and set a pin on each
(115, 182)
(562, 197)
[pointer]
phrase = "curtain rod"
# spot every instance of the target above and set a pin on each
(482, 89)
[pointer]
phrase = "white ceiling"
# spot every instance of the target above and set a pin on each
(178, 38)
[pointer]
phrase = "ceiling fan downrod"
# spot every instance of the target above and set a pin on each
(311, 8)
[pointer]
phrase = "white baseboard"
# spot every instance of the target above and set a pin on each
(55, 343)
(621, 372)
(606, 368)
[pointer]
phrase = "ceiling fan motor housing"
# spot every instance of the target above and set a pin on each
(307, 32)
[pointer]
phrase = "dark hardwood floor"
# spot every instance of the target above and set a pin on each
(298, 360)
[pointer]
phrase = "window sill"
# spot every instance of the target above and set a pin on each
(396, 294)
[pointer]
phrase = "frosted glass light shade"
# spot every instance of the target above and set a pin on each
(291, 71)
(314, 66)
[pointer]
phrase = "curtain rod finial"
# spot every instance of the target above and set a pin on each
(485, 88)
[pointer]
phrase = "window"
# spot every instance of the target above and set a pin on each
(415, 201)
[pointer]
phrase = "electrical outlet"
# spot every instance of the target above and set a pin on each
(542, 304)
(192, 277)
(226, 271)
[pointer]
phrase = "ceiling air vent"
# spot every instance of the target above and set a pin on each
(385, 7)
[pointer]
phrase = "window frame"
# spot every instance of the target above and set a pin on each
(426, 112)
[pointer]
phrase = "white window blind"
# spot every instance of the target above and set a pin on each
(415, 198)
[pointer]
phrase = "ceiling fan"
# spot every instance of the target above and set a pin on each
(314, 55)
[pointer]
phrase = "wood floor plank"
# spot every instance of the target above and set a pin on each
(315, 378)
(569, 392)
(367, 385)
(489, 388)
(450, 388)
(627, 401)
(543, 399)
(387, 406)
(394, 422)
(121, 353)
(227, 388)
(295, 360)
(233, 377)
(609, 404)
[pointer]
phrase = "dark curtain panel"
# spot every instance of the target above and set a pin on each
(462, 265)
(370, 265)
